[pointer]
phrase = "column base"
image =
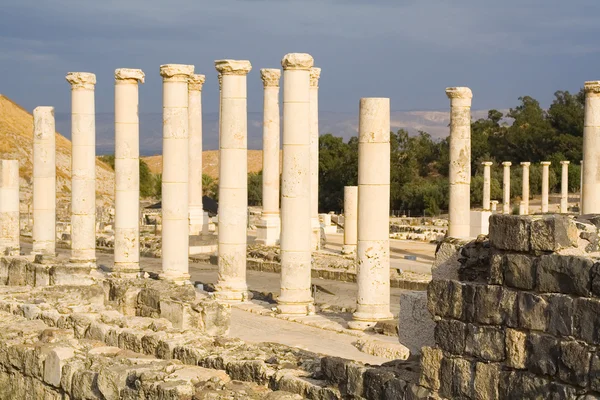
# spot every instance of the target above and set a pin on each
(126, 270)
(349, 249)
(45, 259)
(362, 321)
(268, 230)
(315, 233)
(73, 273)
(231, 296)
(178, 279)
(296, 308)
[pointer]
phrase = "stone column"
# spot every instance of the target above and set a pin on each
(175, 188)
(269, 227)
(373, 250)
(9, 207)
(487, 181)
(233, 181)
(525, 187)
(83, 168)
(350, 219)
(581, 187)
(591, 143)
(545, 184)
(564, 187)
(127, 172)
(295, 297)
(494, 205)
(315, 73)
(522, 208)
(460, 162)
(44, 182)
(506, 188)
(198, 218)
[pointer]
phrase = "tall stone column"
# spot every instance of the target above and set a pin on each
(295, 297)
(373, 250)
(83, 168)
(525, 187)
(506, 187)
(494, 206)
(44, 181)
(315, 73)
(198, 218)
(175, 188)
(487, 182)
(9, 207)
(350, 219)
(581, 187)
(127, 172)
(591, 145)
(545, 184)
(564, 187)
(233, 181)
(460, 162)
(269, 227)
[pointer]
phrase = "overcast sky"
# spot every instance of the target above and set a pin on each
(408, 50)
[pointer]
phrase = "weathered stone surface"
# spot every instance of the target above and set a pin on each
(450, 335)
(495, 305)
(486, 381)
(560, 314)
(334, 369)
(485, 342)
(519, 271)
(54, 363)
(564, 274)
(586, 320)
(516, 349)
(431, 360)
(522, 385)
(496, 268)
(444, 298)
(542, 354)
(574, 363)
(415, 323)
(553, 233)
(532, 311)
(510, 232)
(594, 376)
(374, 382)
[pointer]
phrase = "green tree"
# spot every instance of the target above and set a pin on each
(147, 185)
(255, 188)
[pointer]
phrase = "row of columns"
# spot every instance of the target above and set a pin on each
(524, 205)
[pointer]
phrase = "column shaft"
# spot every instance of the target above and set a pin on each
(506, 188)
(83, 168)
(175, 187)
(545, 184)
(564, 187)
(127, 172)
(315, 73)
(487, 181)
(44, 181)
(198, 218)
(350, 219)
(233, 181)
(460, 162)
(373, 250)
(9, 207)
(295, 297)
(591, 148)
(525, 187)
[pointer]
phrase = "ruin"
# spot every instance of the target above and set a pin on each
(525, 187)
(506, 187)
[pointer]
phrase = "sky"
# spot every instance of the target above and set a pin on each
(408, 50)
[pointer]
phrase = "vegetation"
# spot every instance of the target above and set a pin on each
(148, 184)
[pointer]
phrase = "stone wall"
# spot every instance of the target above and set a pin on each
(518, 315)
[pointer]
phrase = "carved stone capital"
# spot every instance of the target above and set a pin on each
(270, 77)
(545, 163)
(176, 72)
(81, 80)
(128, 74)
(487, 163)
(507, 163)
(525, 163)
(196, 81)
(233, 67)
(300, 61)
(565, 162)
(459, 93)
(315, 74)
(592, 87)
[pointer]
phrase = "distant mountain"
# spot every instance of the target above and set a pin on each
(339, 124)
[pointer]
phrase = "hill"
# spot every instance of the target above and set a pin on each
(16, 143)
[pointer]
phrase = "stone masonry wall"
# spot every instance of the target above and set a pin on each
(518, 315)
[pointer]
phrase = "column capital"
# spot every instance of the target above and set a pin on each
(176, 72)
(459, 93)
(195, 82)
(315, 74)
(300, 61)
(592, 87)
(544, 163)
(525, 163)
(565, 162)
(507, 163)
(270, 77)
(233, 67)
(81, 80)
(129, 75)
(487, 163)
(220, 78)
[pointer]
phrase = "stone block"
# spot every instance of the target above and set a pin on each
(517, 385)
(553, 233)
(84, 385)
(4, 264)
(510, 232)
(54, 363)
(450, 336)
(444, 298)
(574, 363)
(356, 374)
(71, 274)
(415, 326)
(462, 379)
(17, 272)
(496, 276)
(70, 367)
(542, 354)
(480, 223)
(586, 320)
(519, 271)
(334, 369)
(179, 313)
(532, 311)
(374, 382)
(594, 376)
(447, 255)
(516, 348)
(214, 317)
(560, 314)
(42, 275)
(486, 381)
(394, 389)
(485, 342)
(595, 279)
(496, 305)
(431, 360)
(564, 274)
